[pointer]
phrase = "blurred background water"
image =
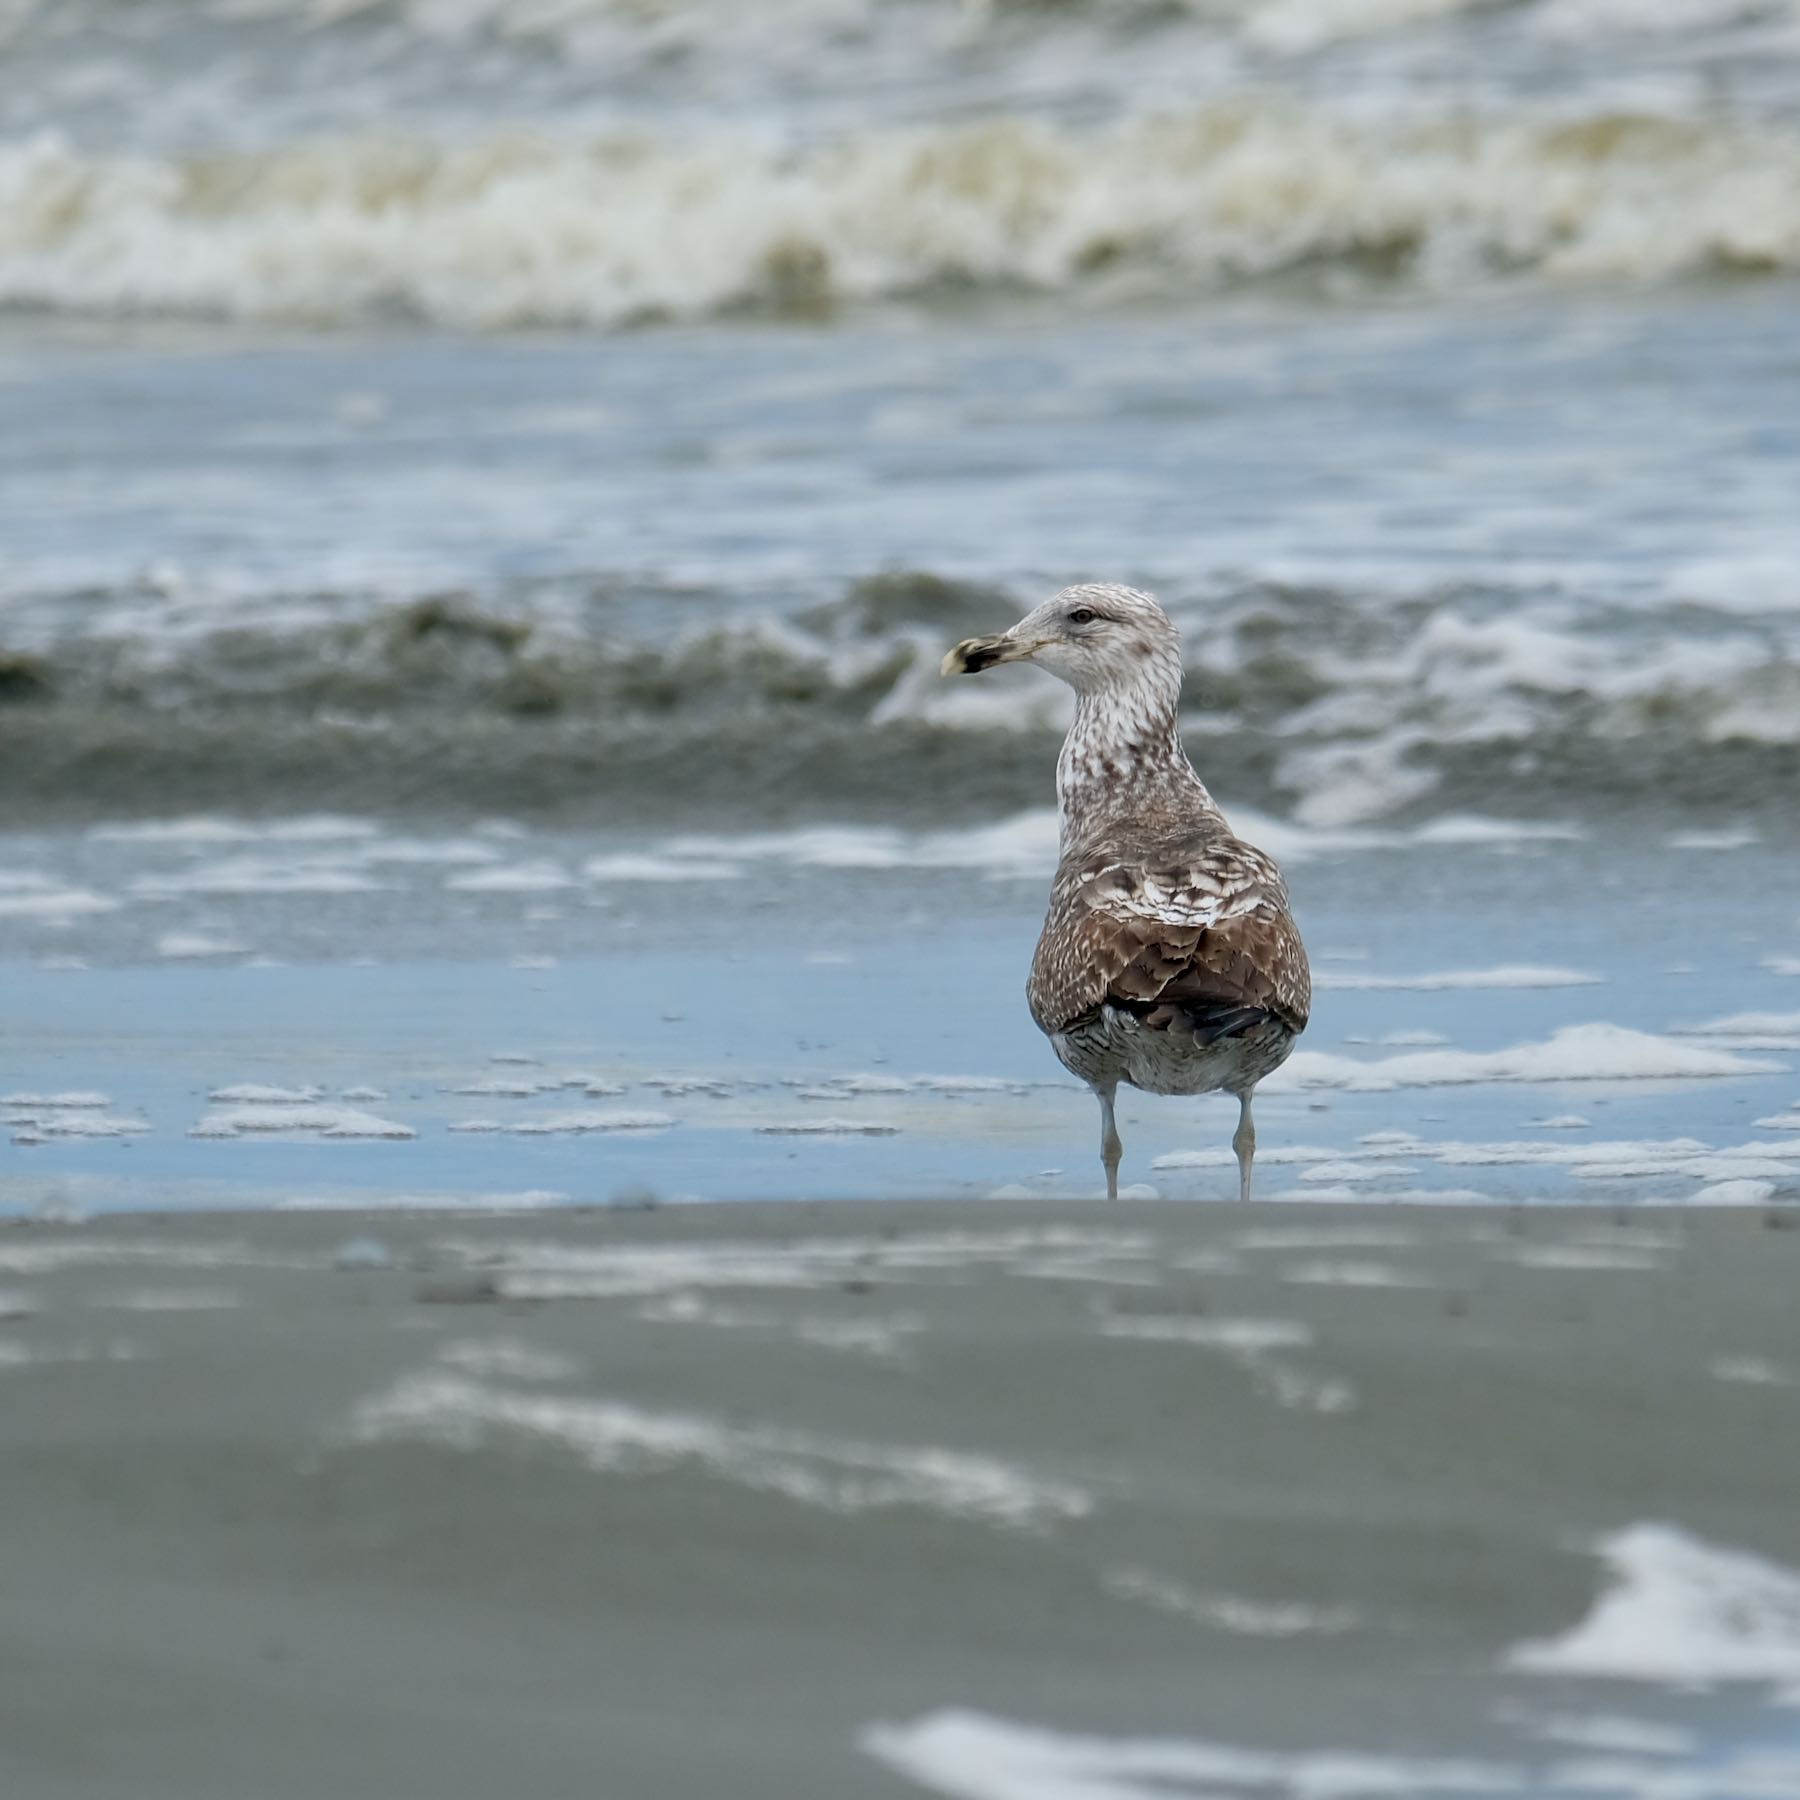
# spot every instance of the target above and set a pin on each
(555, 439)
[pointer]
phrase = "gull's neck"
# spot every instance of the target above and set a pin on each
(1123, 757)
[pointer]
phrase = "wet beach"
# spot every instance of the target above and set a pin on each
(962, 1499)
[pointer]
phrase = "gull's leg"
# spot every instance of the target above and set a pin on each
(1243, 1141)
(1110, 1147)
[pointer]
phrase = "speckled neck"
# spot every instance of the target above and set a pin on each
(1123, 757)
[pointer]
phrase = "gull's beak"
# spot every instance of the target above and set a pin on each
(973, 655)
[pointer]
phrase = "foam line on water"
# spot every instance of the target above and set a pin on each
(965, 1754)
(1679, 1611)
(523, 229)
(1595, 1052)
(614, 1436)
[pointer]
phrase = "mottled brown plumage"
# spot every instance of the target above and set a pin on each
(1169, 959)
(1191, 936)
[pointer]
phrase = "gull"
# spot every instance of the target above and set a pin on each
(1169, 959)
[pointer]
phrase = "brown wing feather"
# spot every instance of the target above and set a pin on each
(1203, 945)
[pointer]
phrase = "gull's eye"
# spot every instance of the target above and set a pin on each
(1083, 615)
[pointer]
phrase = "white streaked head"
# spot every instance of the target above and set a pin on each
(1098, 637)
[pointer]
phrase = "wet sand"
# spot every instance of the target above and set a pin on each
(707, 1501)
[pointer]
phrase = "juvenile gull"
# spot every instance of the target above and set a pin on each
(1169, 959)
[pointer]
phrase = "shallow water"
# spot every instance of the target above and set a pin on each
(529, 1018)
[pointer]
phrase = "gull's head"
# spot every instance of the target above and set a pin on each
(1099, 638)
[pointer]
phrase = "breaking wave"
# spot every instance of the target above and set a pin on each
(514, 230)
(1324, 703)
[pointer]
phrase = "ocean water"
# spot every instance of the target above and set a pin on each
(485, 486)
(329, 1011)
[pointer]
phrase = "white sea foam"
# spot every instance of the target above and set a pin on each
(1249, 1342)
(1741, 1192)
(583, 1119)
(1327, 1237)
(256, 1093)
(549, 1269)
(1752, 1030)
(246, 875)
(1358, 1273)
(646, 866)
(519, 229)
(193, 946)
(964, 1084)
(76, 1113)
(288, 1117)
(861, 1084)
(883, 1337)
(1226, 1612)
(1339, 1173)
(969, 1755)
(1509, 975)
(826, 1128)
(429, 851)
(1679, 1611)
(184, 832)
(1024, 846)
(1739, 837)
(612, 1436)
(1596, 1052)
(202, 830)
(1672, 1155)
(1477, 829)
(864, 1085)
(1245, 1335)
(538, 877)
(1218, 1156)
(1354, 1171)
(52, 903)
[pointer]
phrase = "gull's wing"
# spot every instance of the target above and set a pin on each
(1199, 943)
